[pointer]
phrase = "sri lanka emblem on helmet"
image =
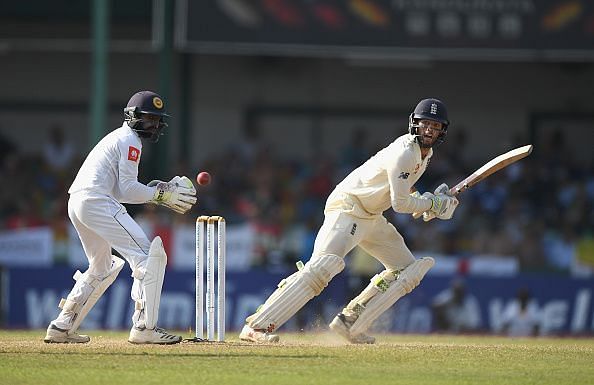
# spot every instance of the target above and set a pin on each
(157, 102)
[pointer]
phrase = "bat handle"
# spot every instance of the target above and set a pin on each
(458, 190)
(453, 191)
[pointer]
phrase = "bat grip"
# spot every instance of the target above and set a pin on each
(457, 190)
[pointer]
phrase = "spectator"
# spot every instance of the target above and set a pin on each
(356, 152)
(58, 153)
(521, 318)
(26, 215)
(559, 247)
(455, 310)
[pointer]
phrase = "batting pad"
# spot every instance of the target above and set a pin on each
(408, 279)
(99, 286)
(152, 283)
(294, 292)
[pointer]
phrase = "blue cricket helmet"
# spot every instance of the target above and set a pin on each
(431, 109)
(143, 103)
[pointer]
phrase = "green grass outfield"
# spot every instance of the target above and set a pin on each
(319, 358)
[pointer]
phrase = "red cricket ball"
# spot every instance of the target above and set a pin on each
(203, 178)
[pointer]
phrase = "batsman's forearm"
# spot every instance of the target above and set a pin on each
(409, 204)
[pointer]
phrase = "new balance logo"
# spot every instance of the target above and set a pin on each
(354, 229)
(404, 175)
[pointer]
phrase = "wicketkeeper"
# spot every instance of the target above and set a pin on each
(353, 216)
(108, 178)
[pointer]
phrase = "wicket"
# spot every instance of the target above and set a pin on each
(208, 242)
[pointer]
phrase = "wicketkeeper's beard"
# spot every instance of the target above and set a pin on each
(155, 134)
(152, 131)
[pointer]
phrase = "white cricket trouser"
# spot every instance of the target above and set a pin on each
(102, 223)
(345, 226)
(342, 231)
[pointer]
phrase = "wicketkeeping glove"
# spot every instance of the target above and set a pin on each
(178, 194)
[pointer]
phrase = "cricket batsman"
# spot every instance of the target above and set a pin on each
(353, 216)
(107, 179)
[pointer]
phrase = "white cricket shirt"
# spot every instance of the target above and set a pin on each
(385, 180)
(111, 168)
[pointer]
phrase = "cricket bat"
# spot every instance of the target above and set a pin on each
(489, 168)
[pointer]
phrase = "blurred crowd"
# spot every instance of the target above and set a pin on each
(539, 210)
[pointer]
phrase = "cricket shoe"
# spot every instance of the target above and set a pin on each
(257, 335)
(341, 326)
(55, 335)
(152, 336)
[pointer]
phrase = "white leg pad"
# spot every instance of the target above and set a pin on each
(407, 280)
(151, 284)
(99, 286)
(295, 291)
(379, 284)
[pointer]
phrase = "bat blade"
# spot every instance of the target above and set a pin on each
(491, 167)
(487, 169)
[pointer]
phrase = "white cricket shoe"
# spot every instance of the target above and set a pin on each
(341, 326)
(152, 336)
(55, 335)
(257, 335)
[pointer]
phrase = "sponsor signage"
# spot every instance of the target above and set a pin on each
(32, 296)
(27, 247)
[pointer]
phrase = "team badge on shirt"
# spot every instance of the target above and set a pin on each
(133, 153)
(404, 175)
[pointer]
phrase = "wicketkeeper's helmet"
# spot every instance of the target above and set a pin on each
(150, 103)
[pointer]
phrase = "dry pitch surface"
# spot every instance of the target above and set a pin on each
(319, 358)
